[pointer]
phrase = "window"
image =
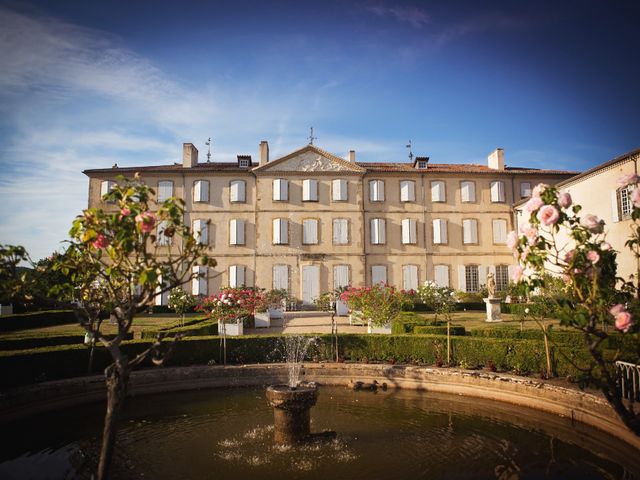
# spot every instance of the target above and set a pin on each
(310, 231)
(438, 193)
(281, 277)
(237, 276)
(280, 190)
(378, 274)
(502, 277)
(499, 231)
(621, 205)
(199, 281)
(161, 238)
(439, 231)
(340, 276)
(165, 190)
(407, 191)
(340, 231)
(376, 190)
(280, 231)
(201, 191)
(339, 190)
(377, 231)
(237, 191)
(244, 162)
(309, 190)
(236, 232)
(525, 189)
(467, 191)
(201, 231)
(410, 277)
(441, 275)
(106, 186)
(409, 231)
(497, 191)
(422, 164)
(469, 231)
(471, 278)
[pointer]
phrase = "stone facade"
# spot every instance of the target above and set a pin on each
(312, 221)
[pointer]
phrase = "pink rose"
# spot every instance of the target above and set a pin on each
(592, 223)
(533, 204)
(124, 211)
(605, 246)
(146, 221)
(524, 227)
(635, 197)
(100, 242)
(516, 276)
(512, 240)
(568, 257)
(538, 189)
(616, 309)
(623, 321)
(548, 215)
(627, 179)
(593, 256)
(564, 200)
(532, 234)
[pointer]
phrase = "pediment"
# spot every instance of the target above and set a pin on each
(310, 159)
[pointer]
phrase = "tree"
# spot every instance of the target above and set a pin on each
(443, 301)
(379, 304)
(181, 301)
(116, 267)
(594, 297)
(13, 278)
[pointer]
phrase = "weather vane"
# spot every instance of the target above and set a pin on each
(208, 144)
(410, 147)
(311, 137)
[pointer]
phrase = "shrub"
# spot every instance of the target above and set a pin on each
(23, 321)
(441, 330)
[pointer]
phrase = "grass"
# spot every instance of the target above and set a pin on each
(477, 320)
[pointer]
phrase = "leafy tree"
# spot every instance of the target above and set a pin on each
(443, 302)
(115, 269)
(13, 278)
(181, 301)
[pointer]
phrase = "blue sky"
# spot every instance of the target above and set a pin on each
(88, 84)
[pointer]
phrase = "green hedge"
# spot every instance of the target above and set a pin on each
(23, 321)
(431, 330)
(202, 327)
(519, 355)
(46, 341)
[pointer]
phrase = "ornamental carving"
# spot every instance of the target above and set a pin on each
(311, 162)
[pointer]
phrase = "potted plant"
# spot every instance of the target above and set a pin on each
(379, 305)
(276, 301)
(226, 308)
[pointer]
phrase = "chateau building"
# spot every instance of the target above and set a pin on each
(312, 221)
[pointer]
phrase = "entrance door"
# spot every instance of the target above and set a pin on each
(310, 284)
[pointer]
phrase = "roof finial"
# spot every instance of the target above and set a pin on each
(410, 147)
(311, 137)
(208, 144)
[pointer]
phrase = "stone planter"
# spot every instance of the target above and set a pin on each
(275, 313)
(342, 310)
(231, 329)
(383, 329)
(262, 319)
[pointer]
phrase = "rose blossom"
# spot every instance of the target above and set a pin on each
(533, 204)
(516, 276)
(593, 256)
(623, 321)
(146, 221)
(532, 234)
(592, 223)
(627, 179)
(605, 246)
(124, 211)
(548, 215)
(569, 256)
(616, 309)
(538, 189)
(564, 200)
(100, 242)
(512, 240)
(635, 197)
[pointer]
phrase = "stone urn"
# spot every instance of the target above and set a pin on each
(291, 411)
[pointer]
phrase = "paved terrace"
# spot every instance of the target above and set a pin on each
(307, 322)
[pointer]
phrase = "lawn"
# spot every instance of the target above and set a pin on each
(473, 320)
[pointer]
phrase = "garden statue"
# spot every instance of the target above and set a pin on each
(493, 303)
(491, 285)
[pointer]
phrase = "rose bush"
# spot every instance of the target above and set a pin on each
(381, 303)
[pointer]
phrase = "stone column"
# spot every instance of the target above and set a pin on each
(291, 412)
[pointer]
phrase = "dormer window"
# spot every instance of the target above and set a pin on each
(244, 161)
(422, 164)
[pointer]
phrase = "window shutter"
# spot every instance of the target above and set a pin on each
(201, 191)
(340, 276)
(378, 274)
(310, 231)
(437, 191)
(441, 273)
(615, 216)
(377, 231)
(340, 231)
(482, 275)
(466, 231)
(201, 232)
(158, 300)
(276, 231)
(199, 281)
(439, 231)
(467, 192)
(525, 189)
(236, 232)
(407, 191)
(462, 281)
(408, 231)
(309, 190)
(339, 190)
(162, 239)
(238, 191)
(105, 187)
(280, 190)
(410, 277)
(280, 231)
(281, 277)
(376, 191)
(236, 276)
(474, 231)
(497, 191)
(165, 190)
(499, 231)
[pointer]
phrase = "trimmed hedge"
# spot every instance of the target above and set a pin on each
(46, 341)
(23, 321)
(431, 330)
(521, 356)
(201, 327)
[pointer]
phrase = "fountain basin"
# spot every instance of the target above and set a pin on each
(291, 411)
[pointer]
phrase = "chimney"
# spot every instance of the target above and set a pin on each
(352, 156)
(496, 159)
(189, 155)
(264, 152)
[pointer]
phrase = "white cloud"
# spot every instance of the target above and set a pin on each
(414, 16)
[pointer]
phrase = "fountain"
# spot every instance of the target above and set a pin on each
(292, 402)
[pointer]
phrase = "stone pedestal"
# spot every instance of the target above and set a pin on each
(493, 309)
(291, 412)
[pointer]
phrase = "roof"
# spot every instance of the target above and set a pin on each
(176, 167)
(602, 166)
(457, 168)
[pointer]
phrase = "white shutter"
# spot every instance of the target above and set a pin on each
(462, 281)
(468, 191)
(474, 231)
(441, 275)
(437, 191)
(276, 231)
(158, 300)
(510, 270)
(497, 191)
(439, 231)
(340, 231)
(482, 275)
(309, 190)
(409, 231)
(407, 191)
(162, 239)
(340, 276)
(377, 231)
(236, 232)
(376, 191)
(201, 231)
(466, 231)
(310, 231)
(236, 276)
(378, 274)
(165, 190)
(281, 277)
(410, 277)
(614, 206)
(199, 281)
(339, 190)
(238, 191)
(280, 231)
(499, 231)
(280, 190)
(105, 187)
(525, 189)
(201, 191)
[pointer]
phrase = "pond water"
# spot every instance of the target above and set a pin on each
(226, 433)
